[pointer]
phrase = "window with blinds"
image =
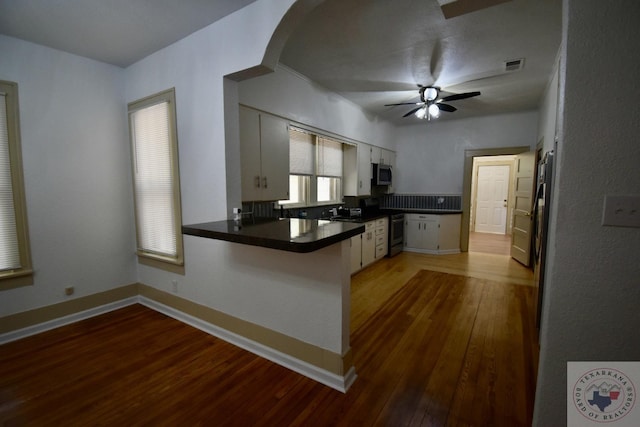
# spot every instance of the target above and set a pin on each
(315, 168)
(329, 170)
(15, 260)
(301, 168)
(156, 178)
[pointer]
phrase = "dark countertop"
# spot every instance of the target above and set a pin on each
(423, 211)
(361, 219)
(287, 234)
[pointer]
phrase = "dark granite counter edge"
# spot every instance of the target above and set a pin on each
(284, 245)
(423, 211)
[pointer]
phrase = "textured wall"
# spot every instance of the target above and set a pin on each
(290, 293)
(593, 286)
(294, 97)
(77, 167)
(430, 156)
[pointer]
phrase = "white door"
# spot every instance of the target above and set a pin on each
(491, 199)
(522, 220)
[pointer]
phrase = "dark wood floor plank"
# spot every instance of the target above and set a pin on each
(430, 348)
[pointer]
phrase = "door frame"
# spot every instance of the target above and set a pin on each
(473, 210)
(467, 181)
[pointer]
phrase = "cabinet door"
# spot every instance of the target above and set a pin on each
(250, 173)
(364, 170)
(356, 253)
(413, 232)
(376, 155)
(421, 232)
(387, 157)
(430, 233)
(274, 156)
(369, 244)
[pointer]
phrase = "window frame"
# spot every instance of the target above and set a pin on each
(312, 191)
(22, 276)
(146, 256)
(304, 189)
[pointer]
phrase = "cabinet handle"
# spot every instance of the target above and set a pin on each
(264, 182)
(256, 180)
(360, 183)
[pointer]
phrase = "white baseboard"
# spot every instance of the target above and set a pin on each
(337, 382)
(322, 376)
(65, 320)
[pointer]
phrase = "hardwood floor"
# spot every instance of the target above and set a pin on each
(454, 347)
(499, 244)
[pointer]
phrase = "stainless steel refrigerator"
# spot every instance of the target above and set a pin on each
(541, 209)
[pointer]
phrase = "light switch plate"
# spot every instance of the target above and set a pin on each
(621, 211)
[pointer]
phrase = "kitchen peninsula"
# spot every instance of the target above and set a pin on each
(295, 278)
(287, 234)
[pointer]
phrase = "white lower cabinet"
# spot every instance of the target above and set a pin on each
(432, 233)
(371, 245)
(381, 237)
(356, 253)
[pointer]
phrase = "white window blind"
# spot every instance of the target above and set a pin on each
(329, 162)
(153, 180)
(300, 152)
(9, 246)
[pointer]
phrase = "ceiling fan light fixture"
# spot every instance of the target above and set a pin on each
(421, 113)
(434, 111)
(430, 93)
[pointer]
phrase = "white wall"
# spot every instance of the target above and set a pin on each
(548, 112)
(294, 97)
(246, 282)
(430, 156)
(77, 173)
(593, 291)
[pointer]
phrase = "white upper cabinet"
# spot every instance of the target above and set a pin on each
(382, 156)
(264, 156)
(357, 170)
(387, 157)
(376, 154)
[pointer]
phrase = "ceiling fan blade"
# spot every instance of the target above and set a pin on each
(404, 103)
(412, 111)
(459, 96)
(446, 107)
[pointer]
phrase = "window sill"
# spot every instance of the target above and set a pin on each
(162, 264)
(314, 205)
(16, 279)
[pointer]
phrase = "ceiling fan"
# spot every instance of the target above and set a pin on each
(430, 104)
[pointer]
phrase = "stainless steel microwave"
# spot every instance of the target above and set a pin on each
(381, 174)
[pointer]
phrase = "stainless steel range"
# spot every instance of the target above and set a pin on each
(396, 233)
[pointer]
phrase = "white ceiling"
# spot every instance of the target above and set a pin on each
(118, 32)
(373, 52)
(376, 52)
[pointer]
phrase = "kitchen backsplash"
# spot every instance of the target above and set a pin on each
(267, 210)
(388, 201)
(422, 201)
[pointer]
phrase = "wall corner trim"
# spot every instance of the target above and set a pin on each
(333, 370)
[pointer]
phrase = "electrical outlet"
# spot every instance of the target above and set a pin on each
(621, 211)
(174, 286)
(69, 290)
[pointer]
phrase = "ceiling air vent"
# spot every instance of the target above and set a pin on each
(514, 65)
